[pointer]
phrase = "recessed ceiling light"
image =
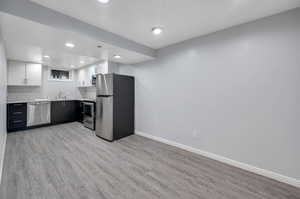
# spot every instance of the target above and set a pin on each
(82, 62)
(72, 66)
(104, 1)
(46, 56)
(157, 30)
(69, 45)
(117, 56)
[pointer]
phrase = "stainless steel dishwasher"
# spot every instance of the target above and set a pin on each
(38, 113)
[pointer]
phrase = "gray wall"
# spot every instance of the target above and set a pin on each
(3, 84)
(234, 93)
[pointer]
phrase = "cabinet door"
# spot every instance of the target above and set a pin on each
(16, 74)
(34, 74)
(90, 73)
(63, 111)
(71, 107)
(85, 76)
(57, 112)
(81, 77)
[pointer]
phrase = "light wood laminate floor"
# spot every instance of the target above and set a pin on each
(68, 161)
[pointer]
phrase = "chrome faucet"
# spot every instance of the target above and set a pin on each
(61, 96)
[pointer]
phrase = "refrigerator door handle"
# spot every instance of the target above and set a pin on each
(100, 110)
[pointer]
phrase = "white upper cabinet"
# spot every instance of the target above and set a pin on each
(16, 73)
(84, 76)
(24, 74)
(102, 67)
(34, 74)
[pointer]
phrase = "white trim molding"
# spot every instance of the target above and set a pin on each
(2, 155)
(263, 172)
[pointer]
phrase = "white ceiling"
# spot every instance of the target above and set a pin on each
(30, 41)
(181, 19)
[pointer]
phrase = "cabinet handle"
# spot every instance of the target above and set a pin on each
(17, 113)
(17, 104)
(25, 79)
(17, 121)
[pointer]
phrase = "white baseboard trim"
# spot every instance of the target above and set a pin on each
(263, 172)
(2, 156)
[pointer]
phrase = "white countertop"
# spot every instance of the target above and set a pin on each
(48, 100)
(88, 99)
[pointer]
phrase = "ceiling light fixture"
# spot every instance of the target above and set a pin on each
(82, 62)
(70, 45)
(72, 66)
(103, 1)
(46, 56)
(161, 9)
(157, 30)
(117, 56)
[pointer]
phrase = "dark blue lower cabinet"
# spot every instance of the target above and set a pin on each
(16, 116)
(61, 112)
(65, 111)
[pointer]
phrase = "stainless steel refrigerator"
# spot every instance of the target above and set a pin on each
(114, 106)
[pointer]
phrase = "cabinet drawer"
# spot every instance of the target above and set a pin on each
(16, 121)
(16, 124)
(17, 108)
(17, 113)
